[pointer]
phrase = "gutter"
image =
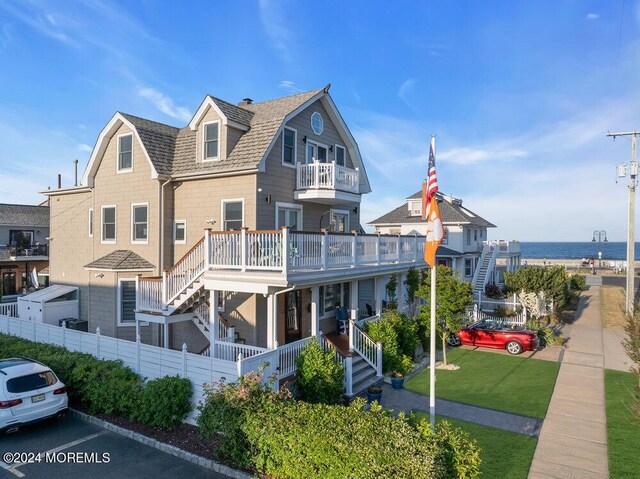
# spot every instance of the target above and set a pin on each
(204, 175)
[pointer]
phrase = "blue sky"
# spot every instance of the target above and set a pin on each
(519, 94)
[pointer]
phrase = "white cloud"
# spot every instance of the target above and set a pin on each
(272, 17)
(468, 156)
(289, 86)
(406, 90)
(165, 104)
(84, 147)
(593, 16)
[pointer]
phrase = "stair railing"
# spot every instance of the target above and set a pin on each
(366, 347)
(182, 274)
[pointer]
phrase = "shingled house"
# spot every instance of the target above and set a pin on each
(234, 235)
(465, 248)
(24, 234)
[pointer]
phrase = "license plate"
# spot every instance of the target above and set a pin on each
(37, 398)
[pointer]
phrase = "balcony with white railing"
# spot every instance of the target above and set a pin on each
(505, 247)
(327, 183)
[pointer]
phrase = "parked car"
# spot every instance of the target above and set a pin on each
(514, 339)
(29, 392)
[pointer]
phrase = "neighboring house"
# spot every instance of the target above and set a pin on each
(465, 247)
(235, 234)
(24, 235)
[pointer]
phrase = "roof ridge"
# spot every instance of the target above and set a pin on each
(150, 121)
(231, 104)
(22, 204)
(318, 90)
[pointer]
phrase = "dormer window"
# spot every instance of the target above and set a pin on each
(415, 208)
(211, 141)
(125, 153)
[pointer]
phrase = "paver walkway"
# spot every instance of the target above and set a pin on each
(573, 439)
(403, 400)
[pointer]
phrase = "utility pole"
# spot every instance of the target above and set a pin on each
(632, 169)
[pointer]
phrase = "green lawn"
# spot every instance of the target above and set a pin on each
(623, 429)
(507, 383)
(504, 454)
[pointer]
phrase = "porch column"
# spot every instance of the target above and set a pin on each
(213, 321)
(315, 311)
(401, 296)
(353, 298)
(378, 291)
(272, 321)
(165, 336)
(454, 264)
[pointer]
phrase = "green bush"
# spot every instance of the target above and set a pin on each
(320, 377)
(398, 335)
(578, 283)
(164, 402)
(546, 335)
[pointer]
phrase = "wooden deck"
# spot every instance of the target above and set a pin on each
(340, 341)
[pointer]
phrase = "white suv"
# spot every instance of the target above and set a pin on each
(29, 391)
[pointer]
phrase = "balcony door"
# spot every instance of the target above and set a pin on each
(8, 283)
(22, 238)
(316, 152)
(293, 316)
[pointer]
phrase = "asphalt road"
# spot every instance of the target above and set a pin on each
(66, 437)
(619, 281)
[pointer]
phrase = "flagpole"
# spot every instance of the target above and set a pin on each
(432, 352)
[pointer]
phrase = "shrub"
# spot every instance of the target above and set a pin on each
(391, 288)
(164, 402)
(320, 377)
(578, 283)
(492, 291)
(384, 332)
(552, 283)
(546, 335)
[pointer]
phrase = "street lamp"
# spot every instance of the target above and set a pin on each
(600, 234)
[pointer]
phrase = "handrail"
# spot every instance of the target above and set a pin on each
(289, 354)
(182, 274)
(184, 256)
(476, 273)
(366, 347)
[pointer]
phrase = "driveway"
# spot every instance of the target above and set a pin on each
(114, 456)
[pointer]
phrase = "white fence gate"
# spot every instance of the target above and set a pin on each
(150, 362)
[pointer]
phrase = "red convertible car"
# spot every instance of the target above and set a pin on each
(514, 339)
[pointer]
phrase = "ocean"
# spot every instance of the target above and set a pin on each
(611, 250)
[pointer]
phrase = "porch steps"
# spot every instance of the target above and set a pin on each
(363, 375)
(482, 274)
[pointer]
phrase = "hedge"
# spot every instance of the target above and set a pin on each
(103, 386)
(274, 435)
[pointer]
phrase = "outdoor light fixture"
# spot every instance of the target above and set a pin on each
(304, 139)
(331, 148)
(355, 210)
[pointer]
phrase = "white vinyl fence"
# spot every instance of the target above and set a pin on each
(149, 361)
(9, 309)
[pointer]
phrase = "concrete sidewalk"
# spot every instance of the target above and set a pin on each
(403, 400)
(573, 439)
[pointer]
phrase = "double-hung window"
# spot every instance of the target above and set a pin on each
(125, 153)
(340, 155)
(211, 141)
(289, 215)
(139, 223)
(468, 267)
(289, 147)
(108, 224)
(232, 214)
(180, 231)
(127, 302)
(469, 236)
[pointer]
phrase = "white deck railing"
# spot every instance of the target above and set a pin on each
(366, 347)
(289, 354)
(329, 176)
(504, 246)
(149, 294)
(177, 278)
(228, 351)
(9, 309)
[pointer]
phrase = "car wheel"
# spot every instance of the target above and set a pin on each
(514, 347)
(453, 340)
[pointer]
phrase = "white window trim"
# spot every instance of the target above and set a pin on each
(133, 240)
(321, 119)
(471, 267)
(295, 147)
(222, 216)
(123, 170)
(102, 240)
(119, 306)
(204, 141)
(90, 223)
(342, 212)
(335, 154)
(291, 206)
(317, 143)
(175, 223)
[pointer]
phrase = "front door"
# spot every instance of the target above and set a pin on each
(8, 283)
(293, 316)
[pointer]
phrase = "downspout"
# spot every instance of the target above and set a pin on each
(162, 331)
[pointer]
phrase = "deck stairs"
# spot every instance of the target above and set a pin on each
(485, 267)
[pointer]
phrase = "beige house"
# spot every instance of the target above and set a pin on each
(236, 234)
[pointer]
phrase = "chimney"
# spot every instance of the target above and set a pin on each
(245, 102)
(75, 172)
(59, 181)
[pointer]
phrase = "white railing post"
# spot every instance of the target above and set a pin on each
(184, 360)
(165, 288)
(316, 174)
(98, 342)
(378, 247)
(64, 334)
(352, 329)
(231, 334)
(354, 248)
(207, 248)
(243, 248)
(415, 247)
(325, 248)
(298, 175)
(138, 354)
(348, 375)
(285, 250)
(333, 174)
(357, 185)
(398, 245)
(138, 292)
(239, 365)
(379, 359)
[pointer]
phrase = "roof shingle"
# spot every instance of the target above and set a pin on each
(24, 215)
(120, 260)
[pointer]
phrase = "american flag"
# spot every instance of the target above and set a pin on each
(432, 182)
